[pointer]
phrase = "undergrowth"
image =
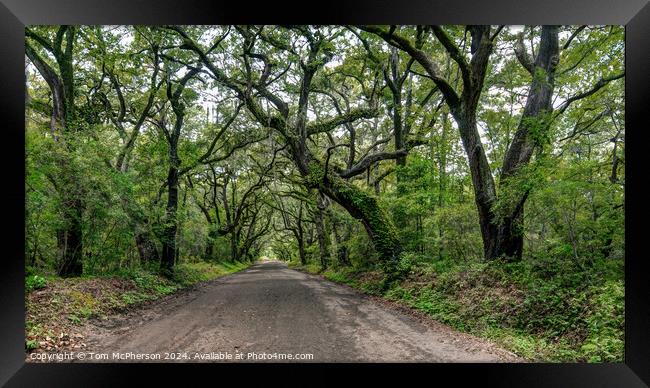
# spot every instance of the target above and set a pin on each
(541, 312)
(55, 306)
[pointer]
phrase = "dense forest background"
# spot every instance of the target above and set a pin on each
(473, 172)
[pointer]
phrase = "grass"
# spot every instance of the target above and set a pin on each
(55, 307)
(566, 314)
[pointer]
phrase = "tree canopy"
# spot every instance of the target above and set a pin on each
(342, 145)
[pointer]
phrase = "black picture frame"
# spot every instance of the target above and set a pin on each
(16, 14)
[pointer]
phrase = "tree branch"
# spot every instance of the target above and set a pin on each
(522, 55)
(331, 123)
(42, 41)
(422, 58)
(454, 53)
(599, 85)
(364, 163)
(575, 33)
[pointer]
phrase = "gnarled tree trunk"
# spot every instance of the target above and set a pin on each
(323, 239)
(169, 230)
(502, 234)
(61, 84)
(534, 123)
(362, 206)
(172, 136)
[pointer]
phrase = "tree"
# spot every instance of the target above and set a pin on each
(292, 220)
(297, 130)
(502, 234)
(172, 135)
(63, 124)
(321, 230)
(126, 115)
(220, 142)
(237, 190)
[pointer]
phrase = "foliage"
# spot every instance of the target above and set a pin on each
(518, 305)
(35, 282)
(331, 149)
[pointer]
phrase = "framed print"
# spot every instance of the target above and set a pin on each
(383, 189)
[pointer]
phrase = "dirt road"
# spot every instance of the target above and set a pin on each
(270, 309)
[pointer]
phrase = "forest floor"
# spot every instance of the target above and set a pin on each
(270, 309)
(58, 309)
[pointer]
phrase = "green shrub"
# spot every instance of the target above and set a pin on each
(405, 264)
(74, 319)
(31, 345)
(35, 282)
(372, 287)
(187, 274)
(606, 323)
(399, 293)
